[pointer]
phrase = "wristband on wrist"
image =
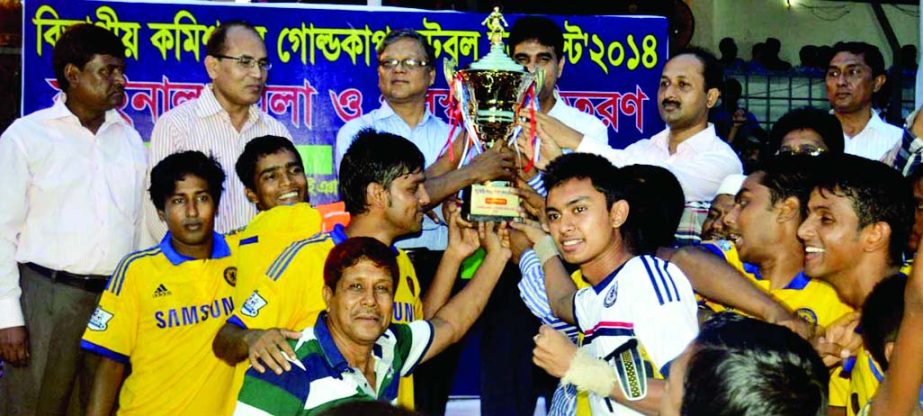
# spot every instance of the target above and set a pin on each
(545, 249)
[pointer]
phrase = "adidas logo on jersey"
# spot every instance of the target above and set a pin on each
(161, 291)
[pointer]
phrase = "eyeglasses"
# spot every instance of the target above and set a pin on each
(809, 150)
(409, 63)
(247, 62)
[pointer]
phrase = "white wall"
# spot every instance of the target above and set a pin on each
(752, 21)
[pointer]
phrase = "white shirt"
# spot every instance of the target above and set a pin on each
(591, 127)
(877, 141)
(646, 299)
(203, 125)
(700, 163)
(70, 199)
(430, 136)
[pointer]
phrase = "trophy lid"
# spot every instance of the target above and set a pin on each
(496, 59)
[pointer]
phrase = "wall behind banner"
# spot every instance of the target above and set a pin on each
(324, 63)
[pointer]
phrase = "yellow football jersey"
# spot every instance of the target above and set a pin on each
(865, 376)
(264, 238)
(160, 312)
(289, 295)
(814, 301)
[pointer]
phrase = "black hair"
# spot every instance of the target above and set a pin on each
(870, 54)
(257, 149)
(742, 366)
(177, 166)
(657, 202)
(217, 41)
(605, 178)
(728, 48)
(540, 29)
(351, 251)
(375, 157)
(878, 193)
(712, 70)
(791, 176)
(881, 316)
(396, 35)
(822, 122)
(79, 44)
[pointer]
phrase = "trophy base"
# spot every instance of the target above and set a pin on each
(494, 201)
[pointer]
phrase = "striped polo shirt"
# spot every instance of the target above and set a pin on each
(321, 377)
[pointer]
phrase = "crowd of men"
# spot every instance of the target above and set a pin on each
(195, 277)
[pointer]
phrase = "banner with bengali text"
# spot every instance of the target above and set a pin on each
(324, 63)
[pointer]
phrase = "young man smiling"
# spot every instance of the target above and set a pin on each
(272, 172)
(163, 306)
(860, 214)
(637, 306)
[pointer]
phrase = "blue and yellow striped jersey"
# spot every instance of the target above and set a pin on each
(160, 313)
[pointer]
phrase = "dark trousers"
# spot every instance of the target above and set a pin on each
(55, 315)
(508, 382)
(432, 380)
(507, 385)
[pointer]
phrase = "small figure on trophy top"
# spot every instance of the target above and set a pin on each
(495, 24)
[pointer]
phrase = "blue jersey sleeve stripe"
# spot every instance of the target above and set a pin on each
(666, 272)
(650, 275)
(286, 257)
(663, 280)
(114, 285)
(714, 249)
(234, 320)
(271, 272)
(154, 252)
(103, 351)
(281, 262)
(249, 240)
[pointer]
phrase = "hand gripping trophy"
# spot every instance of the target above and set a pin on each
(488, 97)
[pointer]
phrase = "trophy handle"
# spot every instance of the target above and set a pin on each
(448, 70)
(539, 80)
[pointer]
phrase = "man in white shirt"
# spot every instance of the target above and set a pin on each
(688, 147)
(70, 207)
(220, 122)
(855, 73)
(537, 42)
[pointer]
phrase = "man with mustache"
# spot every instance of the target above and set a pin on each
(688, 147)
(221, 121)
(854, 75)
(69, 210)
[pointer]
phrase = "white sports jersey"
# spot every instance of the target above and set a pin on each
(646, 299)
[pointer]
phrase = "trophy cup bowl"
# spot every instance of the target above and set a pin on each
(490, 101)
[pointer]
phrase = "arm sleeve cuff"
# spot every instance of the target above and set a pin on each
(11, 313)
(103, 351)
(236, 321)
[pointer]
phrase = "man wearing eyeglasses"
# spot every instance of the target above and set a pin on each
(220, 122)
